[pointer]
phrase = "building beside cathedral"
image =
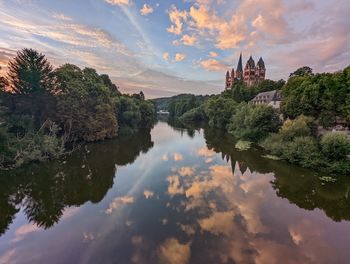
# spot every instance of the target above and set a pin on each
(251, 75)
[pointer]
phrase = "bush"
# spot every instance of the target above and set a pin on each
(335, 146)
(303, 151)
(302, 126)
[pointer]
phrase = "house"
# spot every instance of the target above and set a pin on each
(272, 98)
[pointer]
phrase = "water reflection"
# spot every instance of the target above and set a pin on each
(192, 198)
(44, 191)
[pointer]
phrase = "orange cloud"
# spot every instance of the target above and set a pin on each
(166, 56)
(213, 54)
(177, 17)
(146, 10)
(179, 57)
(213, 65)
(186, 40)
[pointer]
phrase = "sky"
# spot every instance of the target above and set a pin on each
(169, 47)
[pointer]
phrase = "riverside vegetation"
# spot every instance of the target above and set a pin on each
(309, 100)
(45, 111)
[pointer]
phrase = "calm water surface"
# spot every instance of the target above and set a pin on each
(172, 196)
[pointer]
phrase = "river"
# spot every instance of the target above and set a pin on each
(172, 195)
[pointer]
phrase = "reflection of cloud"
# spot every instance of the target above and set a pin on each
(165, 157)
(178, 157)
(174, 185)
(205, 152)
(186, 171)
(148, 194)
(118, 202)
(7, 257)
(23, 231)
(188, 229)
(218, 223)
(173, 252)
(88, 236)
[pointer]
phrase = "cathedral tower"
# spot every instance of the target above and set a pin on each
(249, 72)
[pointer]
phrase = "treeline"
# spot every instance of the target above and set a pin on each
(44, 110)
(309, 101)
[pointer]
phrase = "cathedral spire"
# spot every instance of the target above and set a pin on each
(240, 64)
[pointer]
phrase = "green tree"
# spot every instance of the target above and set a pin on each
(219, 111)
(303, 71)
(85, 107)
(253, 122)
(30, 73)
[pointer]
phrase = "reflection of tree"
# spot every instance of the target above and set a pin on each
(298, 185)
(45, 190)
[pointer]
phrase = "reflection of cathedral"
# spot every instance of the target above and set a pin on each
(251, 75)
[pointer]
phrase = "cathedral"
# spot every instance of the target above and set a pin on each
(251, 75)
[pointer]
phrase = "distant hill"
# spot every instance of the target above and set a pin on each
(164, 102)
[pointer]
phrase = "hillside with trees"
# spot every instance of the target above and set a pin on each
(45, 111)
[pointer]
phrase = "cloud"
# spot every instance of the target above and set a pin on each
(173, 252)
(186, 40)
(119, 202)
(177, 18)
(119, 2)
(166, 56)
(61, 16)
(213, 65)
(179, 57)
(146, 10)
(213, 54)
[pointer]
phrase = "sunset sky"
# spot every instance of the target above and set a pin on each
(170, 47)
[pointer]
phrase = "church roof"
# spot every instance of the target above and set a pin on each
(240, 64)
(261, 63)
(251, 62)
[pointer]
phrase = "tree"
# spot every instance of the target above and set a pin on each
(253, 122)
(30, 73)
(219, 111)
(85, 108)
(3, 83)
(301, 72)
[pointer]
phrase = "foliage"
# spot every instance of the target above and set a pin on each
(301, 72)
(324, 97)
(42, 145)
(302, 126)
(243, 145)
(219, 111)
(134, 113)
(194, 115)
(296, 143)
(182, 104)
(165, 102)
(335, 146)
(253, 122)
(85, 108)
(44, 109)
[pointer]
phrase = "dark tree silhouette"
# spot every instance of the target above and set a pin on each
(30, 72)
(303, 71)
